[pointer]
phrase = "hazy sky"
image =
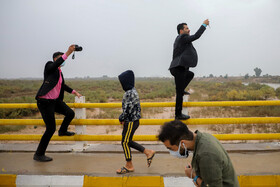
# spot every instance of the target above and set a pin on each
(137, 34)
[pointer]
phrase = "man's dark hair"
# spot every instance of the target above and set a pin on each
(175, 131)
(56, 54)
(180, 27)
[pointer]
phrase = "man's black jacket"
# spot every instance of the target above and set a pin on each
(51, 77)
(184, 54)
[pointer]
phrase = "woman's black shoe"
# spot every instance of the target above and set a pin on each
(42, 158)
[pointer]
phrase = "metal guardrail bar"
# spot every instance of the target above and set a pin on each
(197, 121)
(153, 104)
(32, 137)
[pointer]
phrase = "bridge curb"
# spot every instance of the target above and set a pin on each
(123, 181)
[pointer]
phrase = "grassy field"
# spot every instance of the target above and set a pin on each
(151, 89)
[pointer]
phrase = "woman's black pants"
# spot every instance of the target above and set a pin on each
(47, 108)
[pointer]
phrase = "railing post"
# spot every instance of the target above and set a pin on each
(80, 113)
(185, 109)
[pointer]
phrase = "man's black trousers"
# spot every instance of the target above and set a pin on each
(182, 79)
(47, 108)
(128, 131)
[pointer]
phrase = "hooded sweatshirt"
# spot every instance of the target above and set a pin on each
(130, 103)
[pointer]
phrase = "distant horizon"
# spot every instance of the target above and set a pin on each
(169, 77)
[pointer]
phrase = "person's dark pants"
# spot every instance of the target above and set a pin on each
(182, 79)
(128, 131)
(47, 108)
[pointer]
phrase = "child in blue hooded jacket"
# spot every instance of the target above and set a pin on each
(130, 121)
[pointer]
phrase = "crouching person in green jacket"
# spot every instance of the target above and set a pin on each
(210, 166)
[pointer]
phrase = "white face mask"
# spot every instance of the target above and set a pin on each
(177, 153)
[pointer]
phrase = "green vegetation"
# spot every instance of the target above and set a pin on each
(278, 92)
(231, 91)
(102, 91)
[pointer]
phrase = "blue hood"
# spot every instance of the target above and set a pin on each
(127, 80)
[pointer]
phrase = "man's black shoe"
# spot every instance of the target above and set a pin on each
(182, 117)
(42, 158)
(186, 93)
(67, 133)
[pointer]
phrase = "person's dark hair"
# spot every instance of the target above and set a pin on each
(180, 27)
(56, 54)
(174, 131)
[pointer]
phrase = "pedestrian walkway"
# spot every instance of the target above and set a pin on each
(105, 164)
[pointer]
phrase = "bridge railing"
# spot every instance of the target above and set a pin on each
(154, 104)
(81, 122)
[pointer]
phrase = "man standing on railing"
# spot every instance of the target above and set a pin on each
(50, 100)
(184, 57)
(130, 121)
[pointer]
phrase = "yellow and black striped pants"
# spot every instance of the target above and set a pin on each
(129, 129)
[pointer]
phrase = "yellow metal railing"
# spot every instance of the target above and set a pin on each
(197, 121)
(32, 137)
(153, 104)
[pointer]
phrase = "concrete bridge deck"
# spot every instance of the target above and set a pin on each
(104, 159)
(105, 164)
